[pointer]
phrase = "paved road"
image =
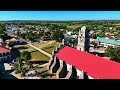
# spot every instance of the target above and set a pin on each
(42, 51)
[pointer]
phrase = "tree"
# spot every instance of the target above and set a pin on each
(24, 70)
(93, 43)
(113, 53)
(21, 66)
(2, 29)
(94, 36)
(5, 37)
(12, 43)
(101, 34)
(57, 35)
(29, 37)
(26, 55)
(18, 64)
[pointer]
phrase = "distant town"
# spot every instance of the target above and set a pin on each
(34, 49)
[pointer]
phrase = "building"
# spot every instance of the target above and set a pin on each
(80, 65)
(4, 52)
(110, 37)
(107, 42)
(70, 33)
(69, 63)
(45, 38)
(83, 40)
(69, 36)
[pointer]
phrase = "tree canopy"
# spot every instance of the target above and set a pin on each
(113, 53)
(57, 35)
(26, 55)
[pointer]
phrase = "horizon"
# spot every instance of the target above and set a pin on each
(59, 15)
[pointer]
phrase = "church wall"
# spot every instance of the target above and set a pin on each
(69, 67)
(61, 62)
(90, 77)
(79, 74)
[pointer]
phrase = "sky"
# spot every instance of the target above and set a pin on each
(59, 15)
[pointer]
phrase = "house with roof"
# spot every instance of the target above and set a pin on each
(110, 37)
(45, 38)
(107, 42)
(4, 51)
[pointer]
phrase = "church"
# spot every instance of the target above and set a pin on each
(70, 63)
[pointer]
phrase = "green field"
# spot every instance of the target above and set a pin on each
(74, 26)
(27, 49)
(38, 56)
(44, 44)
(51, 47)
(49, 50)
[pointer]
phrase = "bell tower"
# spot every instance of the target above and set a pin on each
(83, 40)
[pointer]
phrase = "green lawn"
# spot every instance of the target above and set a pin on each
(44, 44)
(37, 56)
(74, 26)
(51, 47)
(49, 50)
(27, 49)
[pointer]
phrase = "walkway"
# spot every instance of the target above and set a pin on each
(42, 51)
(11, 74)
(93, 50)
(18, 76)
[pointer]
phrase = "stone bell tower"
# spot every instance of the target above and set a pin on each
(83, 40)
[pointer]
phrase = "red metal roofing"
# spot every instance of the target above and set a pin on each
(95, 66)
(2, 45)
(44, 37)
(110, 37)
(3, 50)
(117, 39)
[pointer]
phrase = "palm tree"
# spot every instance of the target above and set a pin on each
(26, 55)
(22, 65)
(18, 64)
(24, 70)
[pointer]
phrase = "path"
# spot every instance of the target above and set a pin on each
(42, 51)
(18, 76)
(11, 74)
(44, 65)
(93, 50)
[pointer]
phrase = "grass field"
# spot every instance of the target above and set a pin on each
(48, 46)
(60, 23)
(37, 56)
(44, 44)
(27, 49)
(51, 47)
(49, 50)
(74, 26)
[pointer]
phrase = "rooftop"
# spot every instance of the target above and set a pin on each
(3, 50)
(108, 41)
(95, 66)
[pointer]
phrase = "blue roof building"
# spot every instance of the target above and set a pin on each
(108, 41)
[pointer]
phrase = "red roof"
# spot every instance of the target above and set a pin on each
(95, 66)
(44, 37)
(2, 45)
(3, 50)
(117, 38)
(109, 37)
